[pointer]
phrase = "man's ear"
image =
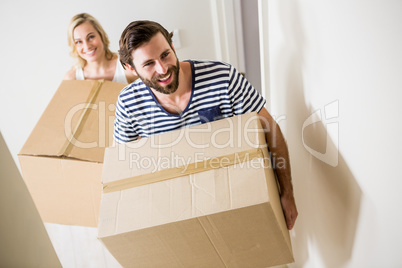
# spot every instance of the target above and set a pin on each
(131, 69)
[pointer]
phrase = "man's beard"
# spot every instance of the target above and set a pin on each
(169, 89)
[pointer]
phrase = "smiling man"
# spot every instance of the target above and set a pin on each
(172, 94)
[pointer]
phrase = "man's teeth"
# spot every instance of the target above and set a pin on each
(165, 78)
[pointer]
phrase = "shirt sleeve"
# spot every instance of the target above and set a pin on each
(245, 98)
(123, 126)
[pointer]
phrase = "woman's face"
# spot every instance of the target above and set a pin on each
(88, 42)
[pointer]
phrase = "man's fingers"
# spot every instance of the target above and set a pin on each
(290, 212)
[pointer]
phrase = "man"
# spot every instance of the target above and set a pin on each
(171, 95)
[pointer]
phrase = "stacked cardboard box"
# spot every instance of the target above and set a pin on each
(61, 161)
(204, 196)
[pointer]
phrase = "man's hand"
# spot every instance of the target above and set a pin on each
(278, 147)
(289, 209)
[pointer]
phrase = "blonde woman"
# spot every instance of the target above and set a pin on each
(89, 45)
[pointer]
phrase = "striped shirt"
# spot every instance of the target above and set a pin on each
(218, 91)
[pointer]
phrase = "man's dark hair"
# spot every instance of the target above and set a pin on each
(135, 35)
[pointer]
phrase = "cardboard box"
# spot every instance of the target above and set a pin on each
(203, 196)
(61, 161)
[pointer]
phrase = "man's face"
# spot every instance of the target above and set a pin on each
(157, 65)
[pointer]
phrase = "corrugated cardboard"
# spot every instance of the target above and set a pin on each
(61, 161)
(203, 196)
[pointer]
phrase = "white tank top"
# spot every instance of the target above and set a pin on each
(119, 75)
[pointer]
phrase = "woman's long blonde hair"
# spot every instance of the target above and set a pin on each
(78, 20)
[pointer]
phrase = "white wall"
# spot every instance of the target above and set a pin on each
(345, 56)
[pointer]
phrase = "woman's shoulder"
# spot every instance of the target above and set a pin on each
(70, 75)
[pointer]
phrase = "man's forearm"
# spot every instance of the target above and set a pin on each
(281, 164)
(279, 151)
(280, 159)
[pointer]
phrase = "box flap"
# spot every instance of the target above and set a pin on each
(77, 123)
(174, 151)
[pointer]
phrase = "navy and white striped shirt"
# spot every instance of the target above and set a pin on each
(219, 91)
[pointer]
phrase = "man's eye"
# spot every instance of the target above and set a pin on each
(164, 55)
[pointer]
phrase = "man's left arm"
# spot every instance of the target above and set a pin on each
(278, 148)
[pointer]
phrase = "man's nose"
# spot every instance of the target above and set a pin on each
(160, 67)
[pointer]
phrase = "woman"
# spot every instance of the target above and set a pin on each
(90, 47)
